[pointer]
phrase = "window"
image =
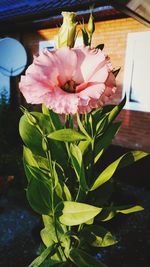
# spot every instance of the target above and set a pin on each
(50, 44)
(137, 72)
(47, 44)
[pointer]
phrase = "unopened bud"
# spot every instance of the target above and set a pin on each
(85, 37)
(31, 119)
(91, 24)
(45, 144)
(67, 32)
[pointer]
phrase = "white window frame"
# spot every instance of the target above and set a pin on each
(50, 44)
(133, 76)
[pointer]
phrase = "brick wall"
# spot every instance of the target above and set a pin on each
(135, 131)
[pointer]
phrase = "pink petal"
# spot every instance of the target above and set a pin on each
(66, 61)
(62, 102)
(32, 89)
(89, 68)
(87, 61)
(44, 68)
(111, 82)
(93, 91)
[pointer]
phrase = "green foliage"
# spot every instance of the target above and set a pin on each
(39, 190)
(83, 259)
(87, 34)
(110, 212)
(75, 213)
(97, 236)
(47, 252)
(77, 162)
(123, 161)
(64, 184)
(66, 135)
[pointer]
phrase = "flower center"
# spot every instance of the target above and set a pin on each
(70, 86)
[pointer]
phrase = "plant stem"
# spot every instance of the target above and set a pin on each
(56, 232)
(48, 154)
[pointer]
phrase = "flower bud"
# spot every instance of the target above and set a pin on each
(85, 37)
(45, 144)
(31, 119)
(91, 25)
(67, 32)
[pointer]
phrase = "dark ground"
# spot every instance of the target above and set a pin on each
(19, 226)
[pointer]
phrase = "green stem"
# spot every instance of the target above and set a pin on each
(48, 154)
(56, 232)
(93, 155)
(90, 39)
(49, 158)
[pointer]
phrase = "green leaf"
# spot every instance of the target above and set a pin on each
(34, 160)
(110, 212)
(100, 46)
(97, 115)
(45, 109)
(83, 145)
(85, 37)
(97, 236)
(81, 127)
(67, 135)
(36, 173)
(105, 140)
(125, 160)
(102, 124)
(33, 139)
(39, 190)
(53, 117)
(47, 252)
(116, 110)
(28, 157)
(130, 210)
(39, 197)
(62, 191)
(77, 162)
(83, 259)
(107, 117)
(30, 136)
(49, 235)
(75, 213)
(43, 122)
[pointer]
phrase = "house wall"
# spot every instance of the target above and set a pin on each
(135, 129)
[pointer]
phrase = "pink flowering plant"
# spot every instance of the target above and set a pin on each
(61, 157)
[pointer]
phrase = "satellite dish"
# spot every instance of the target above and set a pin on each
(13, 57)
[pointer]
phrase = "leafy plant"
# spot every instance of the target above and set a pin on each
(60, 162)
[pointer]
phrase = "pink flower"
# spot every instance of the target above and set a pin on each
(69, 80)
